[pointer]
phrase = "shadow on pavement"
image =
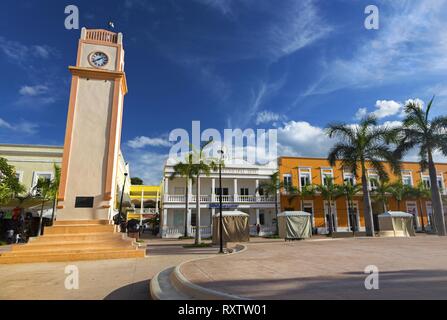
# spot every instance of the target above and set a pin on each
(400, 284)
(134, 291)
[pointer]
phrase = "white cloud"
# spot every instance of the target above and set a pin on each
(33, 91)
(268, 117)
(42, 51)
(300, 26)
(416, 101)
(147, 166)
(21, 53)
(407, 45)
(387, 108)
(223, 6)
(24, 127)
(142, 141)
(361, 113)
(303, 139)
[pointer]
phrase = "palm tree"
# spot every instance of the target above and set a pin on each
(428, 135)
(273, 186)
(330, 192)
(201, 166)
(46, 190)
(54, 188)
(363, 144)
(43, 192)
(10, 187)
(350, 191)
(421, 192)
(382, 192)
(399, 191)
(185, 170)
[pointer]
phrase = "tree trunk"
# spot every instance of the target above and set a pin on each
(422, 215)
(331, 224)
(54, 211)
(39, 231)
(438, 211)
(198, 238)
(367, 207)
(276, 212)
(186, 207)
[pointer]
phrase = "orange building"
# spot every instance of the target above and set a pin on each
(299, 171)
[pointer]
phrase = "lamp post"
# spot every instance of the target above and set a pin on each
(221, 152)
(121, 200)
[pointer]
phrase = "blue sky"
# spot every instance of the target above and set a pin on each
(290, 65)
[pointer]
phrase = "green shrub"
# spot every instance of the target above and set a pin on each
(200, 245)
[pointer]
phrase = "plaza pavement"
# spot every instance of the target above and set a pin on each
(410, 268)
(124, 279)
(321, 268)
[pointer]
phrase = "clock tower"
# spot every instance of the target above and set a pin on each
(92, 140)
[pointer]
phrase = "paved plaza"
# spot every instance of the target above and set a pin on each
(321, 268)
(123, 279)
(410, 268)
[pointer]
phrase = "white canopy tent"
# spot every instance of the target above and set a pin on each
(396, 224)
(236, 227)
(295, 225)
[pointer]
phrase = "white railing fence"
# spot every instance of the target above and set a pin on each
(216, 198)
(205, 232)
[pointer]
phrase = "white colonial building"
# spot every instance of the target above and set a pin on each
(240, 191)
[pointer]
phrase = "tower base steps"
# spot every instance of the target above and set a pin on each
(74, 241)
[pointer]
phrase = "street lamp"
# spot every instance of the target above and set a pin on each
(121, 201)
(221, 152)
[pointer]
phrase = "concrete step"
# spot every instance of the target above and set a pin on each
(68, 251)
(79, 228)
(70, 245)
(161, 287)
(58, 238)
(78, 222)
(8, 258)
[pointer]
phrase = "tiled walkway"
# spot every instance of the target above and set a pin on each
(413, 268)
(106, 279)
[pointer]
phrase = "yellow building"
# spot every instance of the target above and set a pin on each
(145, 200)
(33, 162)
(300, 171)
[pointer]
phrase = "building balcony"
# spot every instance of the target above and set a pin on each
(169, 198)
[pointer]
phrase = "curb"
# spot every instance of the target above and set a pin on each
(183, 285)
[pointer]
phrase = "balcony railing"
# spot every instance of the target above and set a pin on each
(216, 198)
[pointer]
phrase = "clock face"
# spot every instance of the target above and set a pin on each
(98, 59)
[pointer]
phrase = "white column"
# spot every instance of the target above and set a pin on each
(188, 221)
(258, 197)
(235, 190)
(165, 218)
(166, 191)
(258, 220)
(213, 213)
(141, 207)
(213, 190)
(156, 203)
(189, 190)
